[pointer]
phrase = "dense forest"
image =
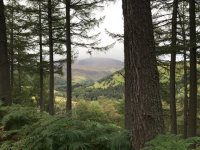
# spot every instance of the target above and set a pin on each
(51, 101)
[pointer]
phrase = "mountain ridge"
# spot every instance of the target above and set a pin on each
(95, 68)
(99, 61)
(89, 70)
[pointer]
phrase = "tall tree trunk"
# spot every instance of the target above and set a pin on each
(185, 92)
(69, 56)
(192, 116)
(5, 90)
(141, 74)
(173, 70)
(51, 90)
(128, 120)
(19, 77)
(41, 60)
(11, 49)
(182, 23)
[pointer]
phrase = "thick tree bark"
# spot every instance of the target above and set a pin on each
(192, 116)
(69, 56)
(128, 120)
(51, 90)
(141, 74)
(173, 70)
(41, 60)
(5, 90)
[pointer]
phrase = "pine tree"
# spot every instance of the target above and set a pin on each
(69, 57)
(182, 18)
(42, 105)
(80, 30)
(173, 69)
(5, 91)
(192, 116)
(141, 75)
(11, 47)
(51, 65)
(19, 44)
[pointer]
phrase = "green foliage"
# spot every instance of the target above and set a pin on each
(89, 111)
(8, 136)
(171, 142)
(6, 145)
(120, 141)
(28, 129)
(105, 111)
(1, 103)
(111, 87)
(61, 133)
(42, 131)
(16, 120)
(18, 117)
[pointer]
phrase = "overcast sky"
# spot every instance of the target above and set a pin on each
(114, 23)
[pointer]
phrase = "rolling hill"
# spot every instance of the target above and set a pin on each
(93, 69)
(111, 87)
(89, 70)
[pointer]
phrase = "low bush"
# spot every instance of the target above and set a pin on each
(30, 130)
(171, 142)
(17, 117)
(59, 133)
(99, 111)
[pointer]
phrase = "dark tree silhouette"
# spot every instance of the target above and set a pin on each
(51, 90)
(192, 116)
(5, 91)
(173, 69)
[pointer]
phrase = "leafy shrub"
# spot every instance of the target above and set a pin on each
(89, 111)
(15, 120)
(59, 133)
(2, 114)
(171, 142)
(18, 117)
(6, 145)
(120, 141)
(104, 111)
(14, 108)
(44, 132)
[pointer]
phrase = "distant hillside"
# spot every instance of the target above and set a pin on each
(94, 69)
(100, 62)
(89, 70)
(111, 87)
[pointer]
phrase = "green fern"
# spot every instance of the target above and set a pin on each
(39, 131)
(171, 142)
